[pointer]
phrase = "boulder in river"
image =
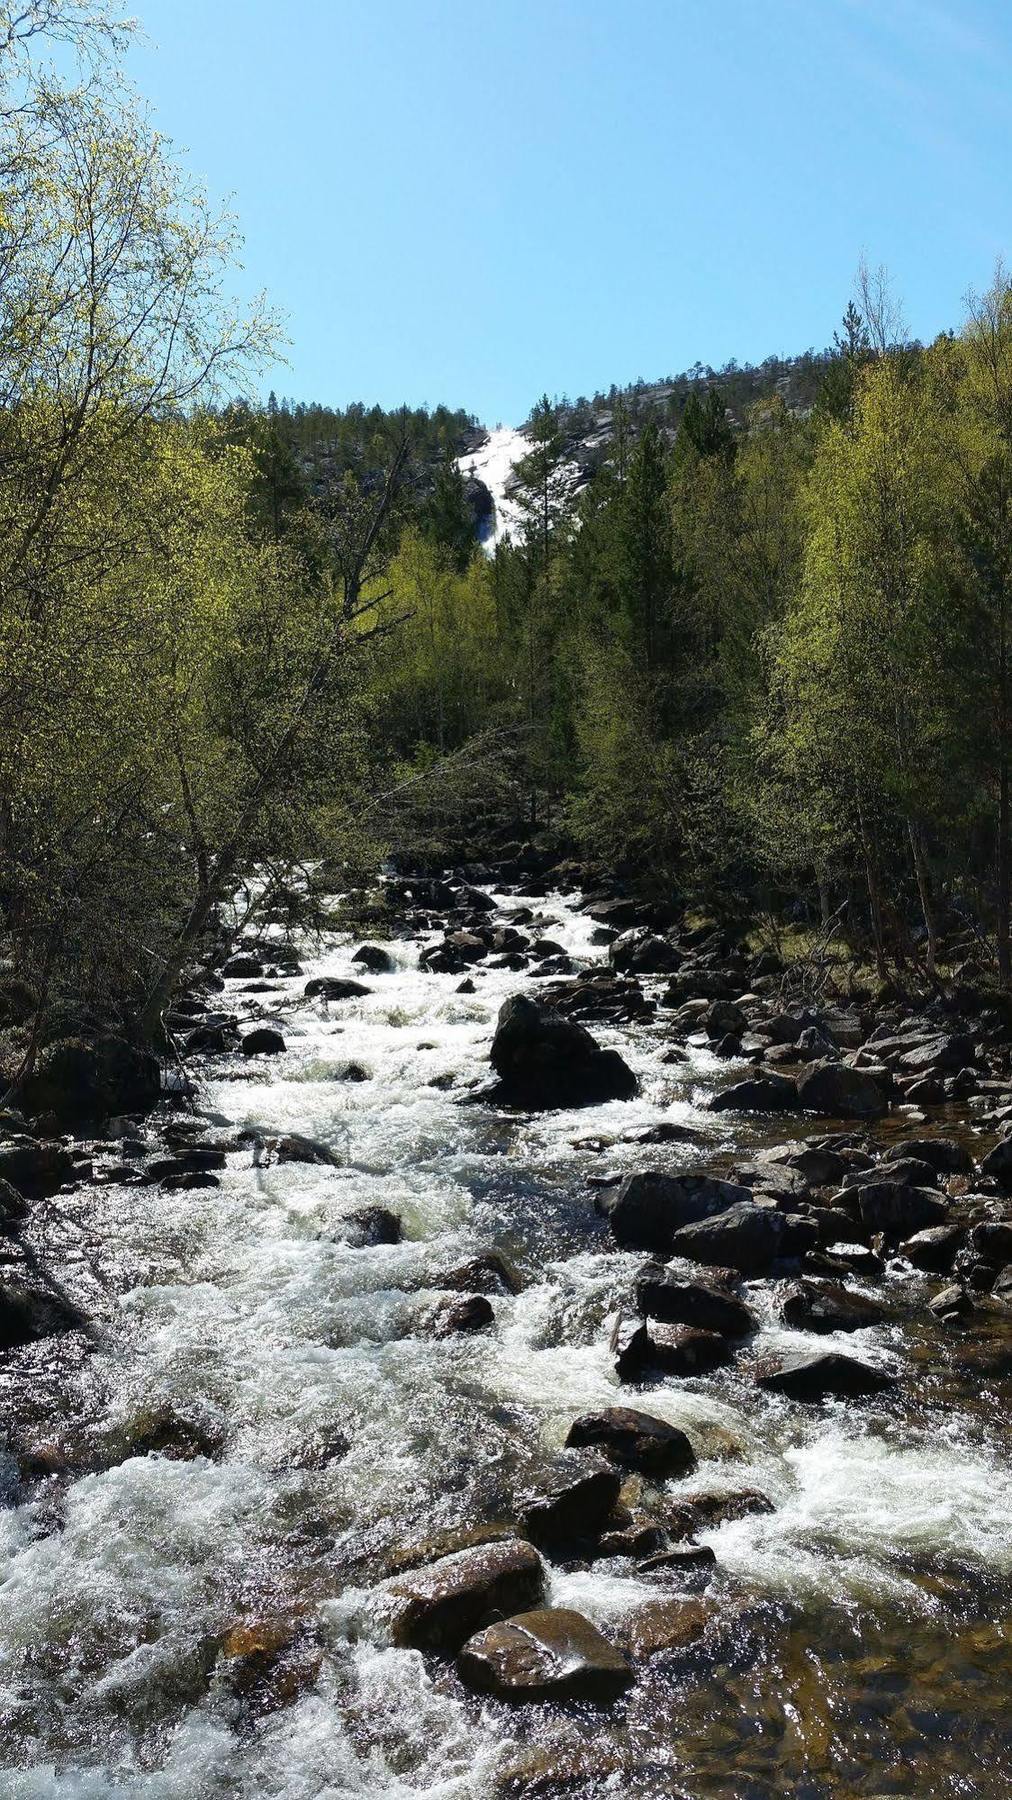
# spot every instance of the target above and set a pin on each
(647, 1208)
(682, 1350)
(334, 987)
(463, 1314)
(824, 1375)
(898, 1210)
(759, 1094)
(374, 958)
(544, 1060)
(569, 1501)
(840, 1092)
(748, 1237)
(663, 1294)
(823, 1306)
(439, 1606)
(668, 1624)
(550, 1654)
(263, 1040)
(933, 1249)
(635, 1440)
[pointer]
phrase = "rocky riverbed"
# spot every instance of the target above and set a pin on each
(607, 1395)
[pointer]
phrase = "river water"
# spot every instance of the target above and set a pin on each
(863, 1633)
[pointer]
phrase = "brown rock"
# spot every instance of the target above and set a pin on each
(551, 1654)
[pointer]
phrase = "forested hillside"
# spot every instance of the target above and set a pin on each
(758, 662)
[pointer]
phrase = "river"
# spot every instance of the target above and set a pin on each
(862, 1634)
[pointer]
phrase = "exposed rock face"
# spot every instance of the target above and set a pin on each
(823, 1376)
(79, 1082)
(635, 1440)
(570, 1502)
(550, 1654)
(647, 1209)
(439, 1606)
(545, 1061)
(747, 1237)
(662, 1294)
(840, 1092)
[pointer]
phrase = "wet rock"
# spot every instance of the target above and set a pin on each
(640, 1537)
(903, 1171)
(694, 1560)
(446, 1543)
(992, 1240)
(933, 1249)
(748, 1237)
(334, 987)
(663, 1294)
(466, 986)
(190, 1178)
(211, 1040)
(944, 1155)
(664, 1625)
(199, 1160)
(997, 1164)
(440, 1605)
(840, 1092)
(470, 1314)
(825, 1306)
(550, 1654)
(77, 1082)
(953, 1305)
(13, 1207)
(682, 1350)
(569, 1502)
(545, 1061)
(898, 1211)
(294, 1148)
(242, 965)
(664, 1132)
(816, 1163)
(489, 1273)
(761, 1094)
(263, 1040)
(635, 1440)
(705, 1511)
(268, 1663)
(374, 958)
(724, 1019)
(647, 1208)
(825, 1375)
(30, 1311)
(639, 952)
(177, 1438)
(36, 1170)
(368, 1226)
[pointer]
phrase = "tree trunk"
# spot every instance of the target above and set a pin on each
(924, 888)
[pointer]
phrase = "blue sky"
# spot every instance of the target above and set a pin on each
(473, 201)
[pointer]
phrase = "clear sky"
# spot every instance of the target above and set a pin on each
(473, 201)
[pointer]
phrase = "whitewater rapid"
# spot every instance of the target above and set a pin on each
(243, 1310)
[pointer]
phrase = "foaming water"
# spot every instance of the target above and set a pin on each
(337, 1426)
